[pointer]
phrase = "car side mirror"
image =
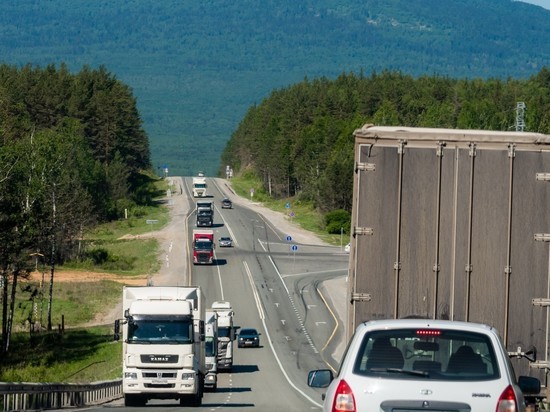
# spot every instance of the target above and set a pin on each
(529, 385)
(320, 378)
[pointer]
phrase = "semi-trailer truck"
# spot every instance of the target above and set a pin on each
(199, 186)
(204, 212)
(226, 334)
(454, 224)
(163, 353)
(203, 246)
(211, 349)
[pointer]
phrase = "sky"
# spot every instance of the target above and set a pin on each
(542, 3)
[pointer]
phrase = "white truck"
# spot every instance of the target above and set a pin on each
(199, 186)
(211, 349)
(163, 353)
(226, 334)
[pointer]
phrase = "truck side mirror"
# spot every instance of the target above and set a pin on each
(201, 331)
(117, 330)
(234, 332)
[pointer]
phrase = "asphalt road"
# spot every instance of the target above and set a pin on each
(277, 286)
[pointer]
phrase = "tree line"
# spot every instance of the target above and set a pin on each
(299, 141)
(72, 149)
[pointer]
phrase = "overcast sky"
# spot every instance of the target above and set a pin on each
(543, 3)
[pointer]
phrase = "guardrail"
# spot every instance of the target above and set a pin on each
(40, 396)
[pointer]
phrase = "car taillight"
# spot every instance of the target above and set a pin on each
(507, 401)
(343, 398)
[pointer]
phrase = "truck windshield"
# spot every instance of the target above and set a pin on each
(203, 245)
(224, 332)
(160, 331)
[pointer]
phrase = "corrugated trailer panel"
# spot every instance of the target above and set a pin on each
(445, 223)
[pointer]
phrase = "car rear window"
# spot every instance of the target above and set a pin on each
(427, 354)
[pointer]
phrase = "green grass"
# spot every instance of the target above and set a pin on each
(136, 224)
(305, 214)
(78, 303)
(125, 257)
(75, 356)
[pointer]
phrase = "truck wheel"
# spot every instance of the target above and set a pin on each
(134, 400)
(191, 400)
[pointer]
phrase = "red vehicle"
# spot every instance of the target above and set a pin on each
(203, 247)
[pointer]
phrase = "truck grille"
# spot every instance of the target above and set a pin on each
(203, 257)
(159, 375)
(159, 385)
(159, 358)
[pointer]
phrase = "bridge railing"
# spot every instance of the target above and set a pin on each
(41, 396)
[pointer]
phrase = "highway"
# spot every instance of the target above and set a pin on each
(272, 288)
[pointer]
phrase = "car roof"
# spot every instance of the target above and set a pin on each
(248, 330)
(427, 323)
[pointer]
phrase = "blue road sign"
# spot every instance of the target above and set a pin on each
(288, 238)
(294, 248)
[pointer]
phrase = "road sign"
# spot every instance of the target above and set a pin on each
(292, 214)
(294, 248)
(288, 238)
(151, 221)
(287, 205)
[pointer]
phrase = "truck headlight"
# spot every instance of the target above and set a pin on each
(130, 375)
(188, 376)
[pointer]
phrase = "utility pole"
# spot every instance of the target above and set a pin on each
(520, 120)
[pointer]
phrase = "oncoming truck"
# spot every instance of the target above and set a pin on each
(211, 349)
(162, 344)
(203, 246)
(226, 334)
(454, 224)
(204, 212)
(199, 186)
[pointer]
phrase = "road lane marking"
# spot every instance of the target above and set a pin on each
(260, 310)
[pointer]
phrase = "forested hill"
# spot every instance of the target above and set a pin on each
(196, 67)
(300, 139)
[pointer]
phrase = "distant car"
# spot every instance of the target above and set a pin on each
(248, 338)
(225, 241)
(227, 204)
(347, 248)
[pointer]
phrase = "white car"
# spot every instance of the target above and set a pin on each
(424, 365)
(225, 241)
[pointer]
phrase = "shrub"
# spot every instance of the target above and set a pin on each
(337, 220)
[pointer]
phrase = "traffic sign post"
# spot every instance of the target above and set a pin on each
(151, 222)
(294, 248)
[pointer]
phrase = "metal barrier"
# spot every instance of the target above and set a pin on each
(40, 396)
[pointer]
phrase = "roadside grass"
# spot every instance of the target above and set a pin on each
(73, 303)
(75, 356)
(123, 257)
(303, 213)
